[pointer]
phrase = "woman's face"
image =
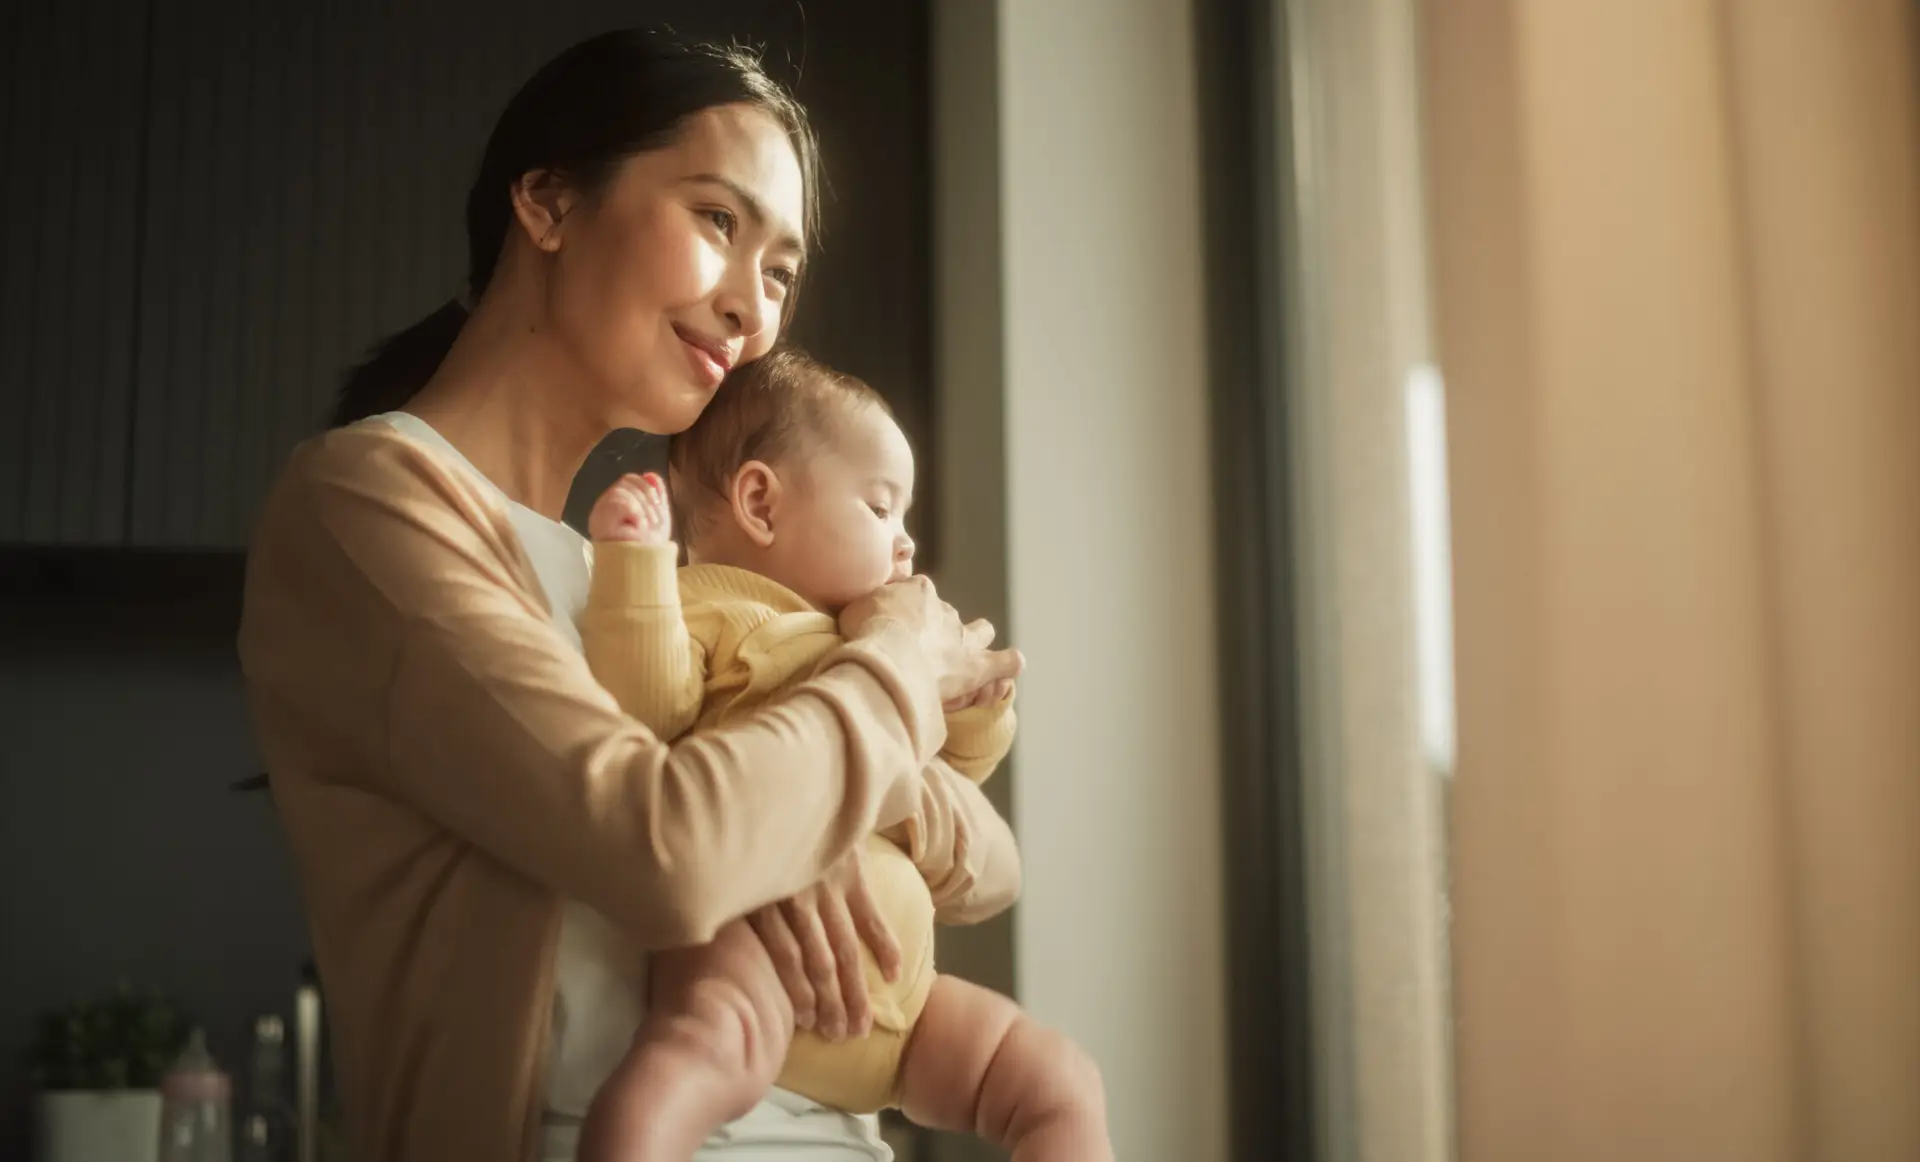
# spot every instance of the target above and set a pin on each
(678, 268)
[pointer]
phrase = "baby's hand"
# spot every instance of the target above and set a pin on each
(635, 510)
(991, 694)
(994, 692)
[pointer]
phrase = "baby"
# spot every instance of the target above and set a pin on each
(793, 490)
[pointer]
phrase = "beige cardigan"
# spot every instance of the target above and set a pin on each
(447, 769)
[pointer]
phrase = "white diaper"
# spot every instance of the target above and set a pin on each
(784, 1128)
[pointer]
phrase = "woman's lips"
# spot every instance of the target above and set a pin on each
(710, 362)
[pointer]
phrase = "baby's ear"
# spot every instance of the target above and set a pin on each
(755, 501)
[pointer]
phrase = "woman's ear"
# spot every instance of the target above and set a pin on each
(755, 498)
(541, 203)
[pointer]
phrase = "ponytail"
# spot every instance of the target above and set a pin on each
(398, 366)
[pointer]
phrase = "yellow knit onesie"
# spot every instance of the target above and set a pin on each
(689, 648)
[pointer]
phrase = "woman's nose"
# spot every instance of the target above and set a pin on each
(734, 316)
(742, 307)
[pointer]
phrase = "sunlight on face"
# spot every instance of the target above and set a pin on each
(679, 268)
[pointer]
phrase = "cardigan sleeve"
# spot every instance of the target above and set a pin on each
(493, 726)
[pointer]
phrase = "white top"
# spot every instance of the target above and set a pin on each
(600, 979)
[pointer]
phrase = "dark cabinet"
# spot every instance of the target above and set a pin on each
(70, 132)
(221, 203)
(306, 168)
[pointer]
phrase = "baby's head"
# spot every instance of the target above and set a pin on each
(799, 473)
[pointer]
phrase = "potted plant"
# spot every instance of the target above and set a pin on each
(96, 1066)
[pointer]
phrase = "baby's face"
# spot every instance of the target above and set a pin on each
(842, 533)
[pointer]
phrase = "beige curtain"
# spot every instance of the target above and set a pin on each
(1677, 298)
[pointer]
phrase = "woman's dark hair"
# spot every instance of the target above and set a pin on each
(584, 113)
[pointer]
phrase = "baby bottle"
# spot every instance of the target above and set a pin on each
(194, 1099)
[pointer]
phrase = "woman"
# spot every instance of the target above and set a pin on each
(487, 847)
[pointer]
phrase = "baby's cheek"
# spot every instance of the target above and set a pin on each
(876, 568)
(844, 576)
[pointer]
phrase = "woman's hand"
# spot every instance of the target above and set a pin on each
(961, 656)
(814, 940)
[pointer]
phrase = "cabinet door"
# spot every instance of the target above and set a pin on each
(308, 164)
(70, 129)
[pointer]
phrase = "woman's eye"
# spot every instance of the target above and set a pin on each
(723, 219)
(783, 275)
(880, 510)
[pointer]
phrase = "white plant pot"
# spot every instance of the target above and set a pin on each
(97, 1126)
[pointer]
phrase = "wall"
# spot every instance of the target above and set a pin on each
(1071, 157)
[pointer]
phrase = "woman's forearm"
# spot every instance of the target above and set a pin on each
(670, 842)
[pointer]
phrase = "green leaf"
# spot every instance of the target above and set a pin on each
(118, 1040)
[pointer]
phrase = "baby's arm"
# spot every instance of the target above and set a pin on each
(634, 633)
(979, 737)
(962, 846)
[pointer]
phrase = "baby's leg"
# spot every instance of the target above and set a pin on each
(978, 1064)
(717, 1028)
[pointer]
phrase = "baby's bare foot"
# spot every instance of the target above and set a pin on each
(635, 510)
